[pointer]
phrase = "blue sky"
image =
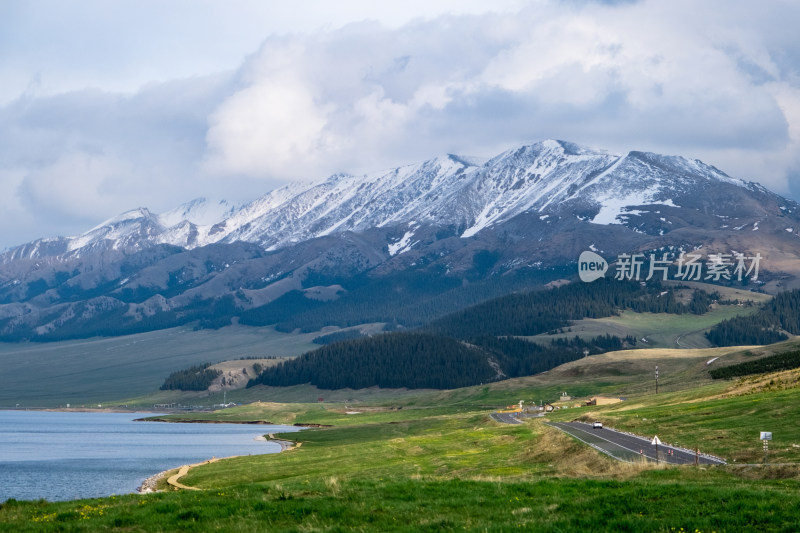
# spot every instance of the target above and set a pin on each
(110, 105)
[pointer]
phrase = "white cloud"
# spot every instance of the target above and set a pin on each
(644, 76)
(272, 123)
(76, 185)
(719, 80)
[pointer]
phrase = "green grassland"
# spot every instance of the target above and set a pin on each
(310, 414)
(437, 473)
(436, 461)
(721, 417)
(725, 293)
(113, 371)
(653, 330)
(664, 330)
(655, 501)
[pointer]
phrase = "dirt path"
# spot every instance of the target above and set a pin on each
(284, 444)
(172, 481)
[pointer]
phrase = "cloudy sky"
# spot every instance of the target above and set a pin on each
(109, 105)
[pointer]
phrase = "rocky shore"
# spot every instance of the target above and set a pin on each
(149, 485)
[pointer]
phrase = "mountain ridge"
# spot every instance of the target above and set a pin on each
(446, 190)
(449, 229)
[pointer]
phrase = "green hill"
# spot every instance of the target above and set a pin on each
(436, 461)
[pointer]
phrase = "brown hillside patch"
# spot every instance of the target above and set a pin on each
(787, 379)
(237, 372)
(603, 400)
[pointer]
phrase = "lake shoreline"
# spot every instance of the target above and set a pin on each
(251, 422)
(85, 410)
(150, 484)
(59, 456)
(169, 421)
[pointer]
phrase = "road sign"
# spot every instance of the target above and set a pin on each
(766, 436)
(656, 441)
(656, 379)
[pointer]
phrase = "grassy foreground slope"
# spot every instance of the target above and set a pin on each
(437, 462)
(443, 473)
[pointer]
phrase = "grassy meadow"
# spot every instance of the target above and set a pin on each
(653, 330)
(458, 472)
(436, 461)
(127, 370)
(433, 460)
(665, 330)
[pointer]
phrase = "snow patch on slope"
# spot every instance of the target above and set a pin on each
(612, 207)
(404, 244)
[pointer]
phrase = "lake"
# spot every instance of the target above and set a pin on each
(69, 455)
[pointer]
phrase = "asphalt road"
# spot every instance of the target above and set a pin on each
(630, 447)
(506, 418)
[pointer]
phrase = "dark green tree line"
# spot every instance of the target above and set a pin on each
(198, 377)
(772, 363)
(765, 326)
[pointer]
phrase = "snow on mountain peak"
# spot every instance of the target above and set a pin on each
(547, 177)
(127, 216)
(122, 228)
(199, 211)
(467, 160)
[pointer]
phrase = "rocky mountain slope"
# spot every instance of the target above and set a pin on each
(448, 222)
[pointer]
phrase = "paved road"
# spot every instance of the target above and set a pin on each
(505, 418)
(630, 447)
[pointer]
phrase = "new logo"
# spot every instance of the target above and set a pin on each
(591, 266)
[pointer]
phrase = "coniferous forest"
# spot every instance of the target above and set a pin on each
(198, 377)
(392, 360)
(541, 311)
(481, 343)
(424, 360)
(767, 325)
(772, 363)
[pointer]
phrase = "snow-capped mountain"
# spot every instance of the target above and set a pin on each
(548, 178)
(448, 222)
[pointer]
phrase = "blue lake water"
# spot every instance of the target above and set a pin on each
(67, 456)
